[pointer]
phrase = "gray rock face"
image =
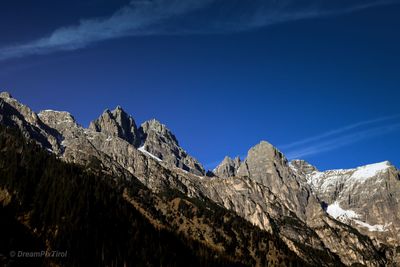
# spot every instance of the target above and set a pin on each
(267, 166)
(367, 198)
(227, 168)
(15, 114)
(63, 121)
(117, 123)
(265, 189)
(302, 167)
(152, 138)
(268, 193)
(158, 140)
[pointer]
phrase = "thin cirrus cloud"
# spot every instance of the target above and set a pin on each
(166, 17)
(338, 138)
(339, 131)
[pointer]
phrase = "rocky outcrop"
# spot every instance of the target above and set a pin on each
(227, 168)
(267, 192)
(367, 198)
(152, 138)
(158, 140)
(117, 123)
(15, 114)
(302, 167)
(267, 166)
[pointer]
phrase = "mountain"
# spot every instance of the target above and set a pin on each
(152, 138)
(367, 197)
(227, 168)
(117, 124)
(158, 140)
(290, 203)
(101, 220)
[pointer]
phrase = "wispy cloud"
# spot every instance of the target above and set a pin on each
(137, 18)
(163, 17)
(339, 131)
(341, 137)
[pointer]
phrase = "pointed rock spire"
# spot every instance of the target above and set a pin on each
(228, 167)
(154, 127)
(5, 95)
(117, 123)
(158, 140)
(263, 161)
(302, 167)
(13, 113)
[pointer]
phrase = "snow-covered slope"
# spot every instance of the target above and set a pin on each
(366, 197)
(350, 217)
(324, 181)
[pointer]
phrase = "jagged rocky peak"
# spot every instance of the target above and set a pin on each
(5, 95)
(117, 123)
(158, 140)
(62, 121)
(302, 167)
(228, 167)
(51, 117)
(154, 127)
(25, 111)
(261, 160)
(266, 165)
(15, 114)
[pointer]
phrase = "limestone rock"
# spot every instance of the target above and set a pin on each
(367, 198)
(158, 140)
(227, 168)
(302, 167)
(117, 123)
(15, 114)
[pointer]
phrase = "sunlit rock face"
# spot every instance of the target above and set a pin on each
(227, 168)
(366, 197)
(117, 123)
(158, 140)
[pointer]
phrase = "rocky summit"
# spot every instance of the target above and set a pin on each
(227, 168)
(117, 123)
(325, 218)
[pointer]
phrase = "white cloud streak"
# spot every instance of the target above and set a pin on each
(131, 20)
(323, 145)
(163, 17)
(339, 131)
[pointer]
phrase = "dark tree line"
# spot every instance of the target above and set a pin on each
(80, 212)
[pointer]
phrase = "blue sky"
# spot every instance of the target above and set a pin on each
(318, 80)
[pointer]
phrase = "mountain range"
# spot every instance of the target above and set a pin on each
(262, 210)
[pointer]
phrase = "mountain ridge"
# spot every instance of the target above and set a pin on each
(264, 188)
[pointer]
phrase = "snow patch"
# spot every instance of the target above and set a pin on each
(55, 111)
(373, 228)
(141, 149)
(65, 121)
(368, 171)
(338, 213)
(346, 215)
(324, 181)
(50, 110)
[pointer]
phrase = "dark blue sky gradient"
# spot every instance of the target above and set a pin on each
(222, 93)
